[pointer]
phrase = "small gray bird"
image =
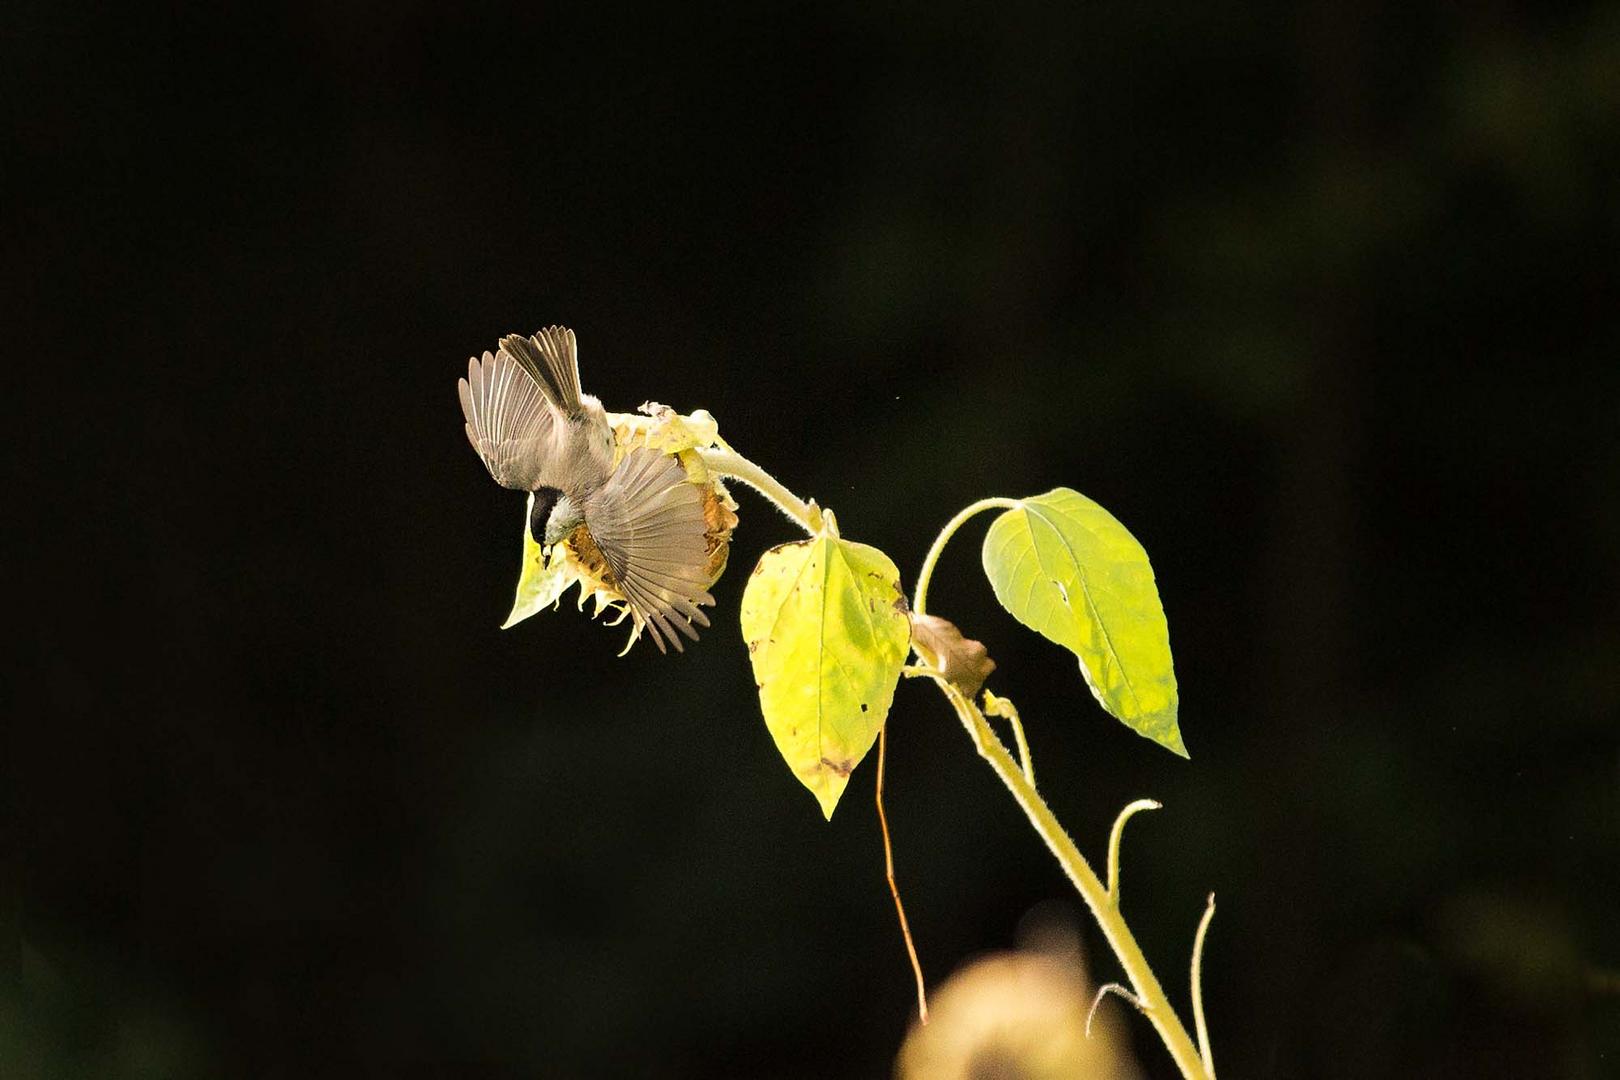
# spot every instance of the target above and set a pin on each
(536, 432)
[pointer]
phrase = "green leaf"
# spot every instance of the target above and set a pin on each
(1068, 570)
(827, 633)
(540, 582)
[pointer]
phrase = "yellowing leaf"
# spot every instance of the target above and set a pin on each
(827, 633)
(1067, 569)
(540, 582)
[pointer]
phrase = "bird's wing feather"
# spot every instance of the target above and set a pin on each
(648, 522)
(551, 357)
(508, 420)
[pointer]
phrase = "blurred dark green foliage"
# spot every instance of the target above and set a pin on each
(1319, 300)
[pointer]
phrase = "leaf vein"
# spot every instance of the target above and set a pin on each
(1085, 587)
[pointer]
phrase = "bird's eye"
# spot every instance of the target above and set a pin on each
(544, 499)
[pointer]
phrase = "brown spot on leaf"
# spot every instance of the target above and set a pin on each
(842, 768)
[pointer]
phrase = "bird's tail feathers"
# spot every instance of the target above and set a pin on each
(552, 359)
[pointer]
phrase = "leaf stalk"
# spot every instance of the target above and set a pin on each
(919, 602)
(1114, 837)
(894, 888)
(1198, 988)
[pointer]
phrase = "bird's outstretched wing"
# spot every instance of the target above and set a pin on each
(648, 522)
(552, 358)
(508, 420)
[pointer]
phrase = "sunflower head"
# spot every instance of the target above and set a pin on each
(549, 570)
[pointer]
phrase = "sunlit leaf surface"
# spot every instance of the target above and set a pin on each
(1067, 569)
(827, 633)
(540, 582)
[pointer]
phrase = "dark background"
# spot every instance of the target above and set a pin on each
(1318, 299)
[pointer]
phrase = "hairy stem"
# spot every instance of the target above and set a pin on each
(1024, 758)
(1000, 706)
(919, 603)
(1149, 994)
(1198, 988)
(1114, 837)
(732, 464)
(1102, 992)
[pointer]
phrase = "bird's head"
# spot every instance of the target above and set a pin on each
(552, 516)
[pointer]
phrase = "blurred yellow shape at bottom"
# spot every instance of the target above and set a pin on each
(1018, 1016)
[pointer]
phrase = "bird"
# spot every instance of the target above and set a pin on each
(537, 432)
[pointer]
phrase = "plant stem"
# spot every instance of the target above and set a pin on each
(1000, 706)
(1024, 757)
(894, 888)
(1104, 907)
(920, 603)
(1149, 993)
(1198, 987)
(1113, 842)
(732, 464)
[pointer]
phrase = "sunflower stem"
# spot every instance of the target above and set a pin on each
(1149, 995)
(731, 464)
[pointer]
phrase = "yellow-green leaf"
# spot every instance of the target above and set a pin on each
(827, 633)
(541, 581)
(1067, 569)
